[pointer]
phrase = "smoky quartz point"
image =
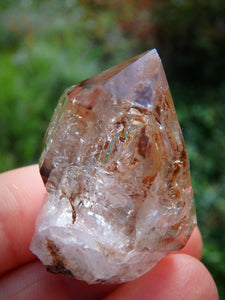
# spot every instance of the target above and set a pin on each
(119, 195)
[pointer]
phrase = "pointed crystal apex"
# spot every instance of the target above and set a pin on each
(140, 74)
(117, 175)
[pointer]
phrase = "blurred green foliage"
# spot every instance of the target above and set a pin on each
(46, 46)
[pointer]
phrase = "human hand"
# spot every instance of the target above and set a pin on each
(177, 276)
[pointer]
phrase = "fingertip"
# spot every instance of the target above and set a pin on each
(177, 276)
(21, 194)
(194, 245)
(31, 281)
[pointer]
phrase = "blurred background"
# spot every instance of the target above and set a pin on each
(46, 46)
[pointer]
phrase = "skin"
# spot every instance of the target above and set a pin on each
(178, 276)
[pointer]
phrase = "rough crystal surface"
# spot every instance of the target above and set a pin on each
(117, 176)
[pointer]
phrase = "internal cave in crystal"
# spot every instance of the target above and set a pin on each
(119, 195)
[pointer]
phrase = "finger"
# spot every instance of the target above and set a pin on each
(176, 277)
(194, 245)
(21, 194)
(31, 281)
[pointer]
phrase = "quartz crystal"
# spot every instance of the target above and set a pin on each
(119, 195)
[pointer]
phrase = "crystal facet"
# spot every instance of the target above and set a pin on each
(117, 175)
